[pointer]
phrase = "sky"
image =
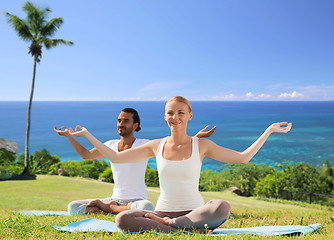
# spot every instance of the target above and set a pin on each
(221, 50)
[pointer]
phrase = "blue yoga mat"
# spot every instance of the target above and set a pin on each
(268, 230)
(89, 225)
(42, 212)
(92, 224)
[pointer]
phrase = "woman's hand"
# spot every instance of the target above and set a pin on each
(62, 131)
(164, 221)
(204, 133)
(81, 133)
(282, 127)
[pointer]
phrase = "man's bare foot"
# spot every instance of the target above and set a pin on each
(114, 208)
(104, 207)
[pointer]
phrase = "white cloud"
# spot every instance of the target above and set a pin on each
(249, 94)
(264, 95)
(224, 97)
(294, 94)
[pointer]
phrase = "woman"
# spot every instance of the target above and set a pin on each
(179, 158)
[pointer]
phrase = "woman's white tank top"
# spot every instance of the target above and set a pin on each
(179, 181)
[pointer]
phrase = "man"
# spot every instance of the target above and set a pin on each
(129, 178)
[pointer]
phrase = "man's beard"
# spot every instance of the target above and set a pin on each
(125, 132)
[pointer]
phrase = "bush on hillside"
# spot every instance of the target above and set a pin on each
(40, 162)
(72, 167)
(7, 158)
(92, 168)
(245, 176)
(107, 174)
(213, 181)
(151, 177)
(300, 177)
(326, 173)
(89, 168)
(8, 165)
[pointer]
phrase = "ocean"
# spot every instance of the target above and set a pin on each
(239, 124)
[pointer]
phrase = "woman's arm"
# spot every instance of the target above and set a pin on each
(83, 152)
(137, 154)
(212, 150)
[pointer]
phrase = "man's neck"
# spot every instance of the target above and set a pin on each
(126, 142)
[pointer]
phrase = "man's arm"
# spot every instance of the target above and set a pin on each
(83, 152)
(136, 154)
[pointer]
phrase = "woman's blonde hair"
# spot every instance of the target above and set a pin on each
(182, 100)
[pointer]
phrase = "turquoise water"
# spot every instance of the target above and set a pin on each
(311, 139)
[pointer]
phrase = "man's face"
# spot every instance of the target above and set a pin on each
(125, 125)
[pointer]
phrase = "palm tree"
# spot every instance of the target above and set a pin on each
(36, 30)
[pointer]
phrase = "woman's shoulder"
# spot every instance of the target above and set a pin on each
(204, 142)
(155, 142)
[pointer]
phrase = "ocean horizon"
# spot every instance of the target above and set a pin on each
(239, 124)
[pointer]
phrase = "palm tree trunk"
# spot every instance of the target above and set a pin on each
(26, 155)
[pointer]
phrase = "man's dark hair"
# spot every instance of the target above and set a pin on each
(135, 116)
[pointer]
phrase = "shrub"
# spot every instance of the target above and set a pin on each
(16, 169)
(107, 174)
(6, 158)
(72, 167)
(298, 177)
(246, 176)
(8, 164)
(326, 173)
(92, 168)
(151, 177)
(41, 162)
(214, 181)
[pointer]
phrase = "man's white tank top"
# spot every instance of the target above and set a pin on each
(179, 181)
(129, 178)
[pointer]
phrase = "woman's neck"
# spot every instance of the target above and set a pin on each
(178, 137)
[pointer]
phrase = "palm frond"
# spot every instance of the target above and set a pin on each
(20, 26)
(36, 29)
(35, 16)
(30, 8)
(51, 43)
(51, 27)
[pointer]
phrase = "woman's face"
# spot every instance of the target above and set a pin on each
(177, 114)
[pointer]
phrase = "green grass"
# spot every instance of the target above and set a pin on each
(55, 192)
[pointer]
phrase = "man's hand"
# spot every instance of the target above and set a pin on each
(62, 131)
(204, 133)
(81, 133)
